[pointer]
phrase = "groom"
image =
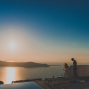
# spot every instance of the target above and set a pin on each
(75, 68)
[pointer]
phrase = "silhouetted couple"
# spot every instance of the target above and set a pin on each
(75, 68)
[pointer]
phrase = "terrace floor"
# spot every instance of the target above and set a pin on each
(63, 84)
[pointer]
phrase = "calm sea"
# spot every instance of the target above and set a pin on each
(9, 74)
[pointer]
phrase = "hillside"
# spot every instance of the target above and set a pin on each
(22, 64)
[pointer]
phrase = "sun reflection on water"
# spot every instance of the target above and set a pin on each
(10, 74)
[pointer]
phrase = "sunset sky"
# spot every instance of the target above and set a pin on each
(45, 31)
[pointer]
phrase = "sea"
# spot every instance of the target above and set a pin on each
(9, 74)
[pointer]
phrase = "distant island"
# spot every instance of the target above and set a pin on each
(22, 64)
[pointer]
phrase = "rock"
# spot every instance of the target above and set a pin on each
(1, 82)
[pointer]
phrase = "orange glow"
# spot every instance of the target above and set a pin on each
(10, 74)
(16, 43)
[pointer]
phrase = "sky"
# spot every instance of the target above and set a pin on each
(44, 31)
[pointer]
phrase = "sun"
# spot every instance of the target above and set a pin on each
(12, 45)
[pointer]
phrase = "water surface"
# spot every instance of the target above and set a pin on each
(9, 74)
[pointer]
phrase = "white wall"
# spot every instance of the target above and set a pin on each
(83, 71)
